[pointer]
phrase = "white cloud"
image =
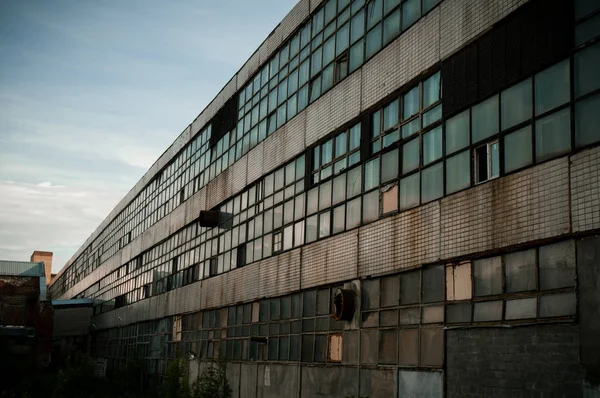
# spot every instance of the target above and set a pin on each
(52, 218)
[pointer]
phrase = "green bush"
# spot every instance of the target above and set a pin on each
(212, 383)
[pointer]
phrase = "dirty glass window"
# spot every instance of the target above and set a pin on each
(410, 287)
(552, 87)
(488, 311)
(518, 149)
(521, 271)
(553, 135)
(587, 116)
(484, 119)
(487, 275)
(433, 284)
(521, 308)
(557, 265)
(457, 132)
(516, 103)
(458, 172)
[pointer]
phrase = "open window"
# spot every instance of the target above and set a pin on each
(487, 163)
(341, 67)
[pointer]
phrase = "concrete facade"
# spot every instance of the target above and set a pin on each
(474, 277)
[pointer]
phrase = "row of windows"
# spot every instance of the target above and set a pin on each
(336, 41)
(402, 316)
(520, 126)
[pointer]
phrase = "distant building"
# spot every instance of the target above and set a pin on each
(26, 317)
(46, 258)
(390, 198)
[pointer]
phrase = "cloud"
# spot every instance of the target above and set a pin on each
(43, 216)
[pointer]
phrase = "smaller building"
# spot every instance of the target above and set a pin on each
(71, 332)
(45, 257)
(26, 317)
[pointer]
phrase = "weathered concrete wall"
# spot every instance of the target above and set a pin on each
(521, 361)
(588, 271)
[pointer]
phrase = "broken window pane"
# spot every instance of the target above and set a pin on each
(339, 189)
(432, 346)
(387, 346)
(410, 287)
(368, 346)
(558, 305)
(433, 314)
(458, 281)
(488, 311)
(557, 265)
(408, 346)
(390, 287)
(487, 274)
(520, 309)
(389, 197)
(410, 316)
(433, 284)
(520, 271)
(370, 319)
(458, 313)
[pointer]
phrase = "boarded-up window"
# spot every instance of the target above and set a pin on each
(458, 281)
(335, 348)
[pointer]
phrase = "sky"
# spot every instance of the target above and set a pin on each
(93, 92)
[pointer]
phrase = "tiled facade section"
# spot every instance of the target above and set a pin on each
(530, 205)
(585, 190)
(194, 204)
(334, 108)
(404, 59)
(463, 20)
(239, 174)
(280, 274)
(255, 159)
(219, 189)
(331, 260)
(407, 240)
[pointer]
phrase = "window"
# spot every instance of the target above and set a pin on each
(553, 135)
(458, 172)
(587, 118)
(518, 151)
(484, 119)
(487, 165)
(516, 104)
(552, 87)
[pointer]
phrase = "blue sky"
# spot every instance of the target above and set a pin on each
(91, 93)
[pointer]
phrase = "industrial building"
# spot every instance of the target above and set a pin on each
(391, 198)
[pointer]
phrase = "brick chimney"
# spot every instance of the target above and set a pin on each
(46, 257)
